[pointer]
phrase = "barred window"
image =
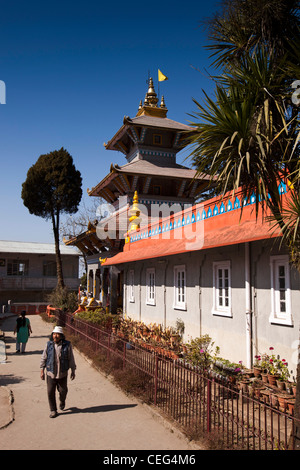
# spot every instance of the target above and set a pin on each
(17, 267)
(49, 269)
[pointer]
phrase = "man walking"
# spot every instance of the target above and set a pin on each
(57, 358)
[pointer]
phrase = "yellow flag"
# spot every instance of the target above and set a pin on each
(161, 76)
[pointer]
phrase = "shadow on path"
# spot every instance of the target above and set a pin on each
(9, 379)
(97, 409)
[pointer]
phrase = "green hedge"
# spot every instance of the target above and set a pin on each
(99, 317)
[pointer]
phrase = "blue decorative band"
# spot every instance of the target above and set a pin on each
(178, 219)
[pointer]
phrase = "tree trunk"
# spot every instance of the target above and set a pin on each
(60, 278)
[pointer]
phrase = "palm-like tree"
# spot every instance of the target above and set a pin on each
(244, 25)
(248, 136)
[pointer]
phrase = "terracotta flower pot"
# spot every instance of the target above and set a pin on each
(272, 379)
(264, 378)
(265, 396)
(280, 384)
(243, 385)
(282, 400)
(257, 371)
(273, 399)
(257, 392)
(248, 373)
(291, 405)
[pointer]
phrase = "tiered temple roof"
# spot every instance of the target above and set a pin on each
(150, 142)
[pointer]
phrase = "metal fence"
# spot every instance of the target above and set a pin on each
(201, 404)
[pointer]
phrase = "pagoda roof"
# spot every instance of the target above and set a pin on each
(152, 121)
(163, 123)
(147, 168)
(149, 115)
(102, 237)
(88, 242)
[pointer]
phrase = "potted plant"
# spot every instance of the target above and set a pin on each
(265, 395)
(272, 369)
(244, 384)
(273, 399)
(255, 388)
(293, 386)
(291, 405)
(261, 365)
(264, 377)
(200, 352)
(257, 368)
(282, 366)
(282, 400)
(247, 373)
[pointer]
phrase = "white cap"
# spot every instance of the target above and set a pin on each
(58, 329)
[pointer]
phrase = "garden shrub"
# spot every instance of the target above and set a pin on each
(200, 351)
(99, 317)
(63, 298)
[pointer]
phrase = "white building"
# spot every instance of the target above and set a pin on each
(221, 274)
(28, 270)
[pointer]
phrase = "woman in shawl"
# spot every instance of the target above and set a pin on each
(23, 330)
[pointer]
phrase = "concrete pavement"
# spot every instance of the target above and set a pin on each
(98, 415)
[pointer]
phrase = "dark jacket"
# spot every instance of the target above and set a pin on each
(58, 358)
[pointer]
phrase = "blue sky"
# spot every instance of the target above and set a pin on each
(73, 70)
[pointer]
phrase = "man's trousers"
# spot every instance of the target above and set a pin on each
(61, 386)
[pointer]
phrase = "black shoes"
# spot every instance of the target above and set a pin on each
(53, 414)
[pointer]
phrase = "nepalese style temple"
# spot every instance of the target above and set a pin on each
(150, 142)
(220, 271)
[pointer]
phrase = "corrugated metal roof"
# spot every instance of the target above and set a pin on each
(35, 248)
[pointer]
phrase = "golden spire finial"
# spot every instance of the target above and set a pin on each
(135, 219)
(162, 102)
(151, 96)
(150, 107)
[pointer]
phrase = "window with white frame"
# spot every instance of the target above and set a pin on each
(222, 288)
(150, 286)
(280, 290)
(180, 287)
(131, 285)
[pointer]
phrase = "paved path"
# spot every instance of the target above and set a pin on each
(98, 416)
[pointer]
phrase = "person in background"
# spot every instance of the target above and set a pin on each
(23, 330)
(57, 358)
